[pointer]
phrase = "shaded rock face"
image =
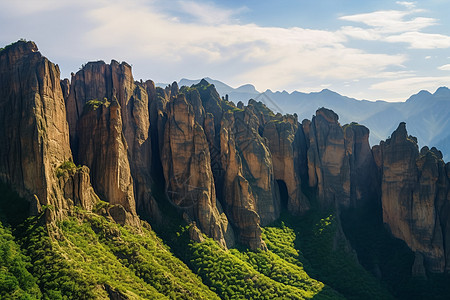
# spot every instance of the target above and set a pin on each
(283, 139)
(364, 187)
(415, 197)
(34, 130)
(187, 169)
(328, 162)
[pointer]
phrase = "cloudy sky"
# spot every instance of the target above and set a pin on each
(375, 49)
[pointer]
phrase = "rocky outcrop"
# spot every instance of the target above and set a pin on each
(75, 183)
(239, 202)
(257, 164)
(187, 169)
(233, 177)
(284, 143)
(328, 163)
(33, 130)
(128, 123)
(364, 187)
(415, 197)
(102, 147)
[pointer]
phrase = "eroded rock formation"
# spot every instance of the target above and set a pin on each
(415, 196)
(227, 169)
(34, 130)
(328, 163)
(187, 169)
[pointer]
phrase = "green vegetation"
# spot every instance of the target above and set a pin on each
(87, 256)
(93, 104)
(229, 106)
(8, 46)
(65, 166)
(15, 280)
(329, 258)
(231, 277)
(352, 124)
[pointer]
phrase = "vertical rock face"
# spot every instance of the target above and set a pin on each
(235, 149)
(239, 201)
(33, 129)
(187, 169)
(103, 148)
(364, 177)
(257, 164)
(123, 128)
(328, 164)
(35, 149)
(76, 186)
(283, 141)
(414, 196)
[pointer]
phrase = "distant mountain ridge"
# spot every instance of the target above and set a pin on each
(427, 114)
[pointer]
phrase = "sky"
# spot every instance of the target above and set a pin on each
(374, 50)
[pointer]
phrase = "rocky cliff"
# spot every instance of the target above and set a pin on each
(187, 169)
(328, 162)
(35, 149)
(227, 169)
(414, 195)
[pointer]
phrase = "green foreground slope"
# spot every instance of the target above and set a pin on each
(88, 256)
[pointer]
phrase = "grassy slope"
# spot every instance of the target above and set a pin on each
(87, 256)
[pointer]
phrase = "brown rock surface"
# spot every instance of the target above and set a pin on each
(281, 135)
(33, 129)
(76, 185)
(102, 147)
(256, 164)
(97, 81)
(410, 194)
(328, 164)
(35, 132)
(187, 169)
(364, 187)
(239, 202)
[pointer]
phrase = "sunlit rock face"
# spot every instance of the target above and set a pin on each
(35, 134)
(187, 169)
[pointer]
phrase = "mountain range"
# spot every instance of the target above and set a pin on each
(427, 114)
(112, 188)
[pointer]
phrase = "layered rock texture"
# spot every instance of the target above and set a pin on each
(187, 169)
(34, 131)
(415, 198)
(228, 169)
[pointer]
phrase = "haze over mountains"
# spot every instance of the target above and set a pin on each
(426, 114)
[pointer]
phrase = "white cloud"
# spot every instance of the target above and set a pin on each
(361, 33)
(269, 57)
(419, 40)
(391, 21)
(445, 67)
(396, 26)
(406, 4)
(428, 57)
